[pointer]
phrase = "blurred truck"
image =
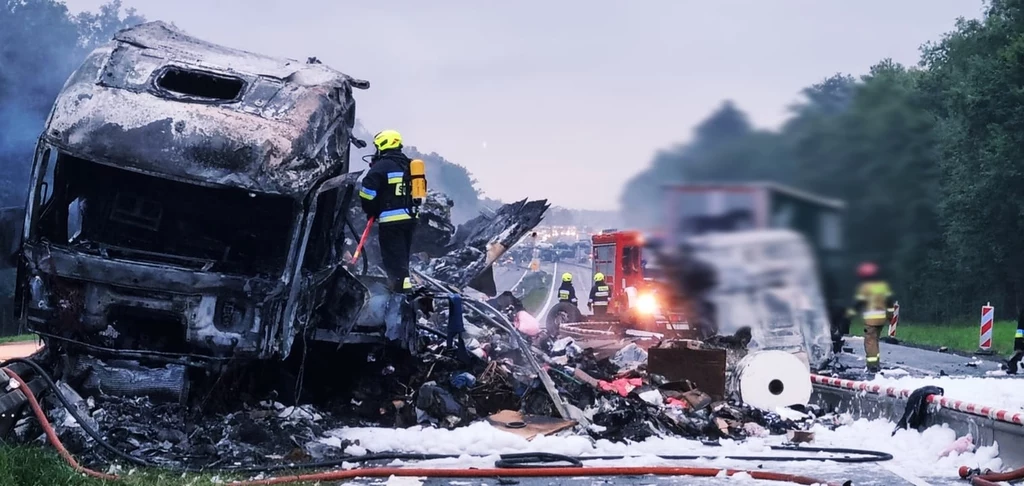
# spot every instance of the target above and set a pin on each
(755, 255)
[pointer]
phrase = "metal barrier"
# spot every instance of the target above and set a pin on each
(987, 425)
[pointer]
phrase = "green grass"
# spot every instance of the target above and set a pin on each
(38, 466)
(956, 336)
(534, 301)
(537, 295)
(18, 339)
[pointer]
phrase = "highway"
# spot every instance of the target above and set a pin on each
(506, 277)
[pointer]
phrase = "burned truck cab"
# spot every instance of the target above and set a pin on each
(185, 201)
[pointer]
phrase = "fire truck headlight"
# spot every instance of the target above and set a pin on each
(647, 304)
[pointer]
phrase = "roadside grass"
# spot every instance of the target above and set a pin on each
(534, 301)
(33, 465)
(961, 337)
(18, 339)
(535, 298)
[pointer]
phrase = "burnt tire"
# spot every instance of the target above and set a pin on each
(559, 314)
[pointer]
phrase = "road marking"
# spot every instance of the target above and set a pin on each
(916, 481)
(551, 293)
(521, 277)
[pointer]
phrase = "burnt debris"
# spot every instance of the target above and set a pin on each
(616, 398)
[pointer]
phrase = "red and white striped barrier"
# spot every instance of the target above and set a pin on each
(895, 321)
(985, 337)
(944, 402)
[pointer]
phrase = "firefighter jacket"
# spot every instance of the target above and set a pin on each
(600, 293)
(874, 300)
(566, 293)
(386, 190)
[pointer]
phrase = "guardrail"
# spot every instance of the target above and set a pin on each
(944, 402)
(986, 424)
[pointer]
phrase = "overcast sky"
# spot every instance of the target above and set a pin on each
(566, 100)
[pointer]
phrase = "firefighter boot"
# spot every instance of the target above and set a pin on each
(871, 353)
(1013, 364)
(1018, 347)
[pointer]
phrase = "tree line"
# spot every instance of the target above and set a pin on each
(929, 160)
(41, 44)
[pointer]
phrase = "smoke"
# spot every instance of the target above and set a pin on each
(41, 44)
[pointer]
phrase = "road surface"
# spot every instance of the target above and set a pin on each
(919, 362)
(18, 350)
(506, 277)
(581, 281)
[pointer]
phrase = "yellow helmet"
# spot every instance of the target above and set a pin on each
(598, 277)
(386, 140)
(567, 277)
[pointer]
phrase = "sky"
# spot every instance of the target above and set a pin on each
(567, 99)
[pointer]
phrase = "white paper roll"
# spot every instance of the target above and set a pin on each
(771, 379)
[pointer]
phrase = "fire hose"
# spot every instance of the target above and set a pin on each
(541, 472)
(509, 465)
(988, 478)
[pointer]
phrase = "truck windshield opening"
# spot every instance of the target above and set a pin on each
(134, 216)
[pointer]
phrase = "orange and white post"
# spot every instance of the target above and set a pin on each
(985, 338)
(895, 321)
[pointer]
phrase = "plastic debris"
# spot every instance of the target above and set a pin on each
(527, 324)
(463, 380)
(621, 386)
(959, 446)
(630, 357)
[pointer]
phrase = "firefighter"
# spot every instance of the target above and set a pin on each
(600, 294)
(1013, 364)
(875, 303)
(566, 293)
(386, 195)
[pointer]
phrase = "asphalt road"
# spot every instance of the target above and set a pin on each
(920, 362)
(507, 276)
(581, 280)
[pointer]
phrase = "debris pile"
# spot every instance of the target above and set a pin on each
(480, 241)
(167, 434)
(482, 373)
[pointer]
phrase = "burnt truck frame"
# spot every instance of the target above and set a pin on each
(188, 203)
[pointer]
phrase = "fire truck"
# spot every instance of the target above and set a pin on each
(638, 299)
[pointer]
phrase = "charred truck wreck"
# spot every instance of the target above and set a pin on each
(191, 205)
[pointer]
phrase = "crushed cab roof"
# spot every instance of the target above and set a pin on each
(158, 101)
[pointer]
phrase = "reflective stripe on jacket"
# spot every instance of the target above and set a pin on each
(383, 193)
(875, 298)
(600, 293)
(566, 293)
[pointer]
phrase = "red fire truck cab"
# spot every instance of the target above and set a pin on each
(617, 255)
(635, 281)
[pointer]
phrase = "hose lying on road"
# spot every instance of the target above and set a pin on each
(543, 472)
(853, 456)
(524, 464)
(979, 478)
